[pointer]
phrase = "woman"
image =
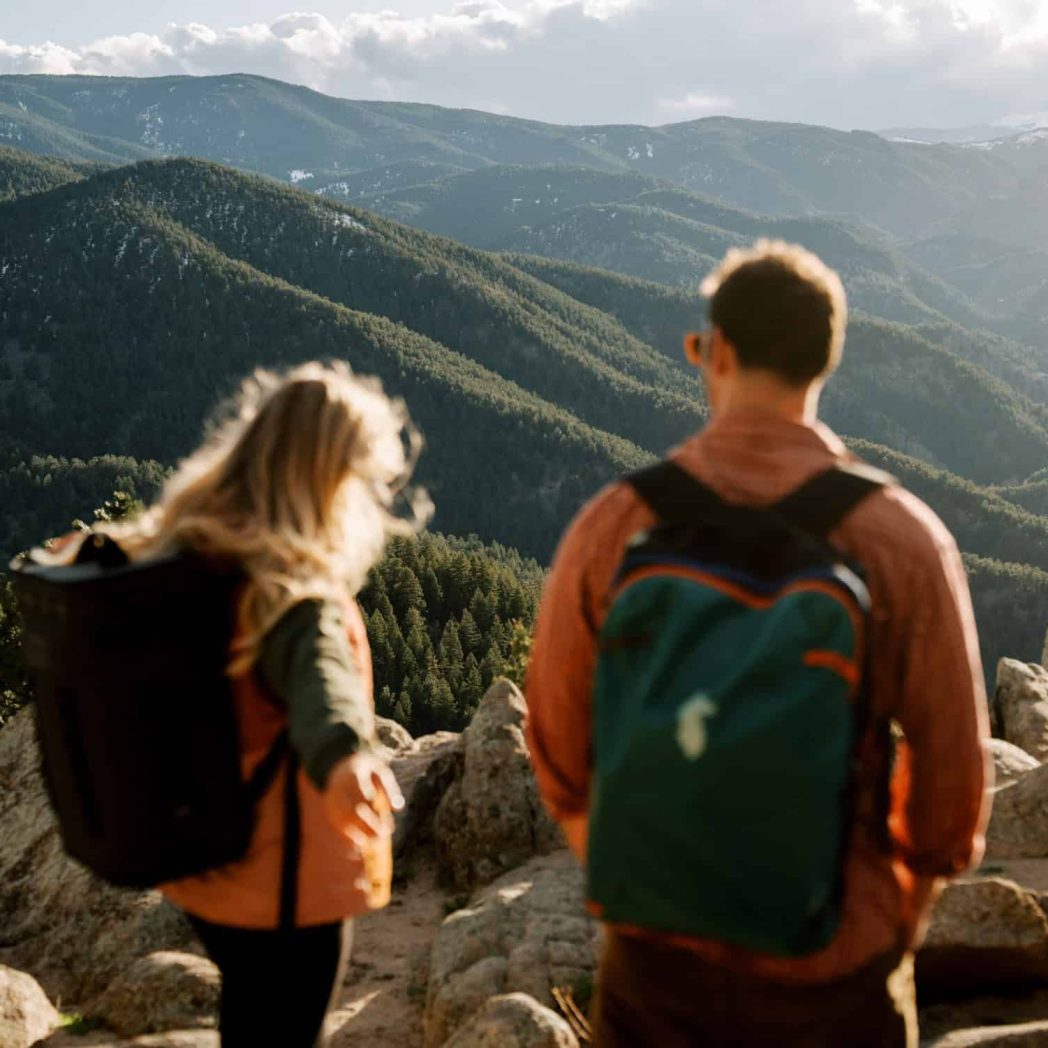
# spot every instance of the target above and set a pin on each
(296, 487)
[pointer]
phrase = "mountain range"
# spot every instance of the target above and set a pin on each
(524, 287)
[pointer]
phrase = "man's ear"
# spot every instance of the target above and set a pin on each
(693, 349)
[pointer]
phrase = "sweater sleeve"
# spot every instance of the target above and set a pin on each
(308, 664)
(942, 712)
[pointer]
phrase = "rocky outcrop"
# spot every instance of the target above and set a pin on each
(164, 991)
(492, 819)
(65, 927)
(394, 738)
(1020, 706)
(1019, 821)
(514, 1020)
(526, 933)
(984, 933)
(26, 1015)
(1010, 763)
(425, 775)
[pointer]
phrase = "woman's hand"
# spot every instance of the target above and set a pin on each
(361, 796)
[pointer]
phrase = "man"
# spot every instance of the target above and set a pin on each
(777, 324)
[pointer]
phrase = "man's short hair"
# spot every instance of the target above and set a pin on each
(781, 307)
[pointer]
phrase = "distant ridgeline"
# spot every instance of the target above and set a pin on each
(132, 296)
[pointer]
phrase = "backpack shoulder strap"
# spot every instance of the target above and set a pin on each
(816, 507)
(673, 493)
(821, 503)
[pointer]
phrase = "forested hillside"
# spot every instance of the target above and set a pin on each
(22, 174)
(151, 323)
(645, 227)
(954, 211)
(132, 297)
(204, 254)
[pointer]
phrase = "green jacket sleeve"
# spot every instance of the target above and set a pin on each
(306, 662)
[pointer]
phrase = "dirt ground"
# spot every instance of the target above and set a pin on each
(385, 989)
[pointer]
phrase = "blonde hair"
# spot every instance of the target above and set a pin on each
(782, 308)
(297, 485)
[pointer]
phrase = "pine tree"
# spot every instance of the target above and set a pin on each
(516, 664)
(472, 687)
(434, 594)
(490, 666)
(469, 632)
(451, 655)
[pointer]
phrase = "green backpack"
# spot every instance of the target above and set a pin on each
(729, 699)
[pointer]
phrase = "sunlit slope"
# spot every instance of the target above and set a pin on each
(469, 301)
(121, 328)
(895, 386)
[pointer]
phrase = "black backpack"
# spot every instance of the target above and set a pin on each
(135, 717)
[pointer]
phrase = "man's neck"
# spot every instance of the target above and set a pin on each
(766, 394)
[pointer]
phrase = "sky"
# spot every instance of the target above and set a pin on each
(870, 64)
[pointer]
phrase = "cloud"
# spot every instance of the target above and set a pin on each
(695, 104)
(847, 63)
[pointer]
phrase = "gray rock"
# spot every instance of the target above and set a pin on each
(161, 992)
(425, 775)
(1020, 1035)
(1021, 706)
(65, 927)
(175, 1039)
(984, 934)
(492, 818)
(971, 1015)
(108, 1039)
(528, 933)
(514, 1020)
(393, 736)
(1010, 763)
(1019, 821)
(26, 1015)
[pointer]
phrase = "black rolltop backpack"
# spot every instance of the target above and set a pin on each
(135, 716)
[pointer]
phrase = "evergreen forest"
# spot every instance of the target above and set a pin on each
(524, 288)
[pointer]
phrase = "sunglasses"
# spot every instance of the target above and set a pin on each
(698, 344)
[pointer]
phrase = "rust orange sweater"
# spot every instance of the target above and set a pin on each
(926, 675)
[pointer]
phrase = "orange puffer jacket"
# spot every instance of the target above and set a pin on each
(337, 878)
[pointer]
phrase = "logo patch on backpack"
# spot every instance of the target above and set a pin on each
(691, 725)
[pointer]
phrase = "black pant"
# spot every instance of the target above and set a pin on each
(276, 986)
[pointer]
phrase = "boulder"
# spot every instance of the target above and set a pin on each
(526, 933)
(26, 1015)
(973, 1016)
(1020, 706)
(65, 927)
(514, 1020)
(425, 775)
(1019, 821)
(984, 933)
(1010, 763)
(1017, 1035)
(172, 1039)
(394, 737)
(161, 992)
(108, 1039)
(176, 1039)
(492, 819)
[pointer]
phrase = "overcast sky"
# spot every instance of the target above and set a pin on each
(847, 63)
